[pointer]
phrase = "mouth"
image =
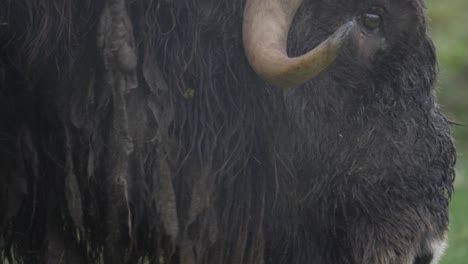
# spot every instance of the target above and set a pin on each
(432, 253)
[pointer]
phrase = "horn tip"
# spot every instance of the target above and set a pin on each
(339, 37)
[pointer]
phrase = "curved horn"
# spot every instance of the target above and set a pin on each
(265, 30)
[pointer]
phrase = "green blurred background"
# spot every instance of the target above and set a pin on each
(448, 25)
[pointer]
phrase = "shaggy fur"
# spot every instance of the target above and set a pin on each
(136, 131)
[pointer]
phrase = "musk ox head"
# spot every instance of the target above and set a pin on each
(158, 131)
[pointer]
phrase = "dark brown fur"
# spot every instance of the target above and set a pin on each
(139, 131)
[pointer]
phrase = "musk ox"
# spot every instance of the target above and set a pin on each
(221, 131)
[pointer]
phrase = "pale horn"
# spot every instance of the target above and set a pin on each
(265, 30)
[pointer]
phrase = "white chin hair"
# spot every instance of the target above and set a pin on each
(438, 249)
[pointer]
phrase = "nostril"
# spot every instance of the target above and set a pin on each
(424, 259)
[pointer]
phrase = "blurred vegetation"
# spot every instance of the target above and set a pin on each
(448, 23)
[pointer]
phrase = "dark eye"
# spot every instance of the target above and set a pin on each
(371, 21)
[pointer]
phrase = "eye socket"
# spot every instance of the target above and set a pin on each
(371, 21)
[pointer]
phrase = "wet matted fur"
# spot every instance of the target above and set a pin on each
(137, 131)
